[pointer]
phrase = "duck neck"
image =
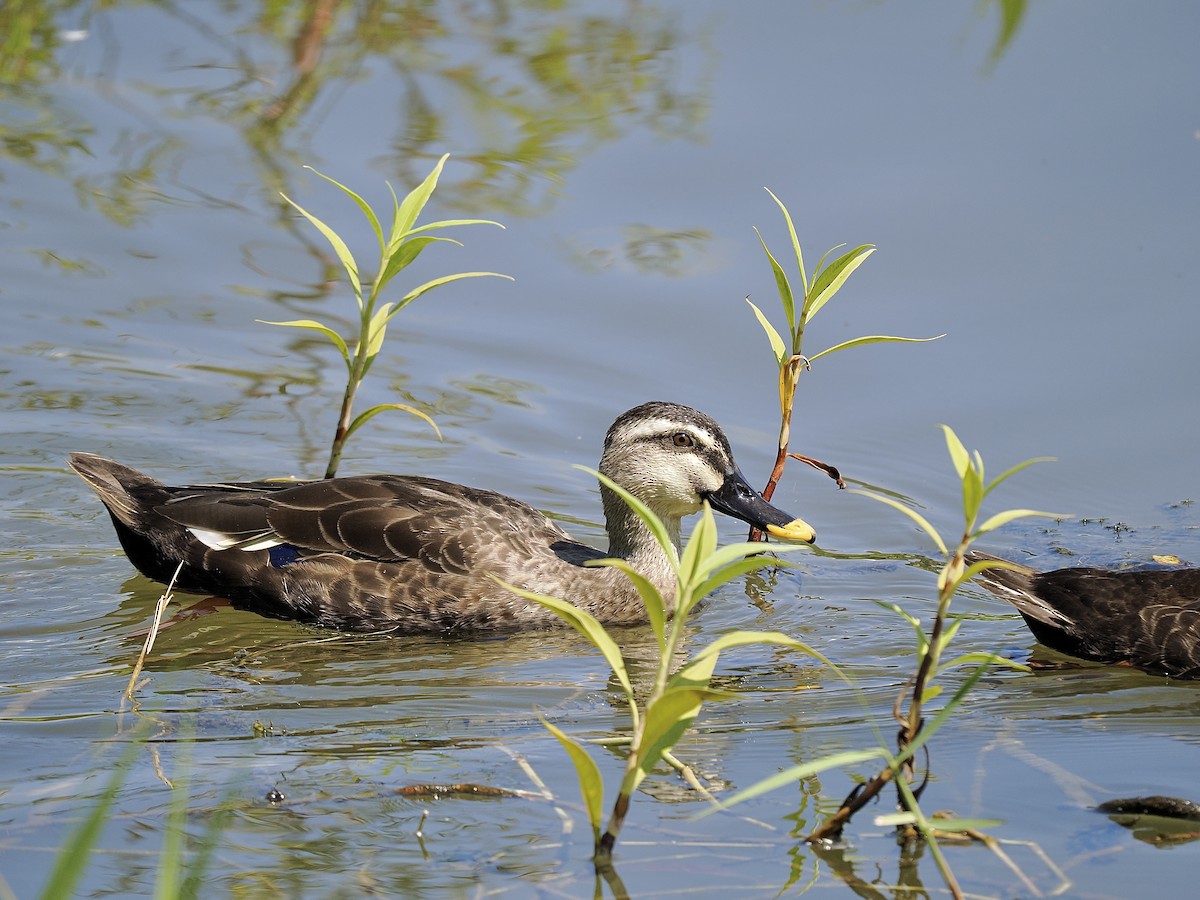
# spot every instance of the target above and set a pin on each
(631, 540)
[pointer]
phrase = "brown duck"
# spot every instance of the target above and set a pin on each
(1147, 619)
(411, 554)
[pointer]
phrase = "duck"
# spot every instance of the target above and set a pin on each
(411, 554)
(1146, 619)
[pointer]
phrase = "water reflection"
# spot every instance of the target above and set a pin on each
(536, 88)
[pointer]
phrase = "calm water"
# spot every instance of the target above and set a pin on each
(1035, 199)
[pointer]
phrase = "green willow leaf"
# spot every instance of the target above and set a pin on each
(742, 638)
(722, 556)
(643, 512)
(911, 513)
(362, 204)
(450, 223)
(1003, 518)
(376, 330)
(787, 217)
(735, 569)
(830, 280)
(699, 548)
(797, 773)
(978, 658)
(873, 339)
(591, 783)
(651, 598)
(339, 247)
(824, 256)
(371, 413)
(445, 279)
(334, 338)
(958, 453)
(413, 203)
(783, 285)
(778, 347)
(408, 251)
(669, 715)
(1003, 476)
(586, 624)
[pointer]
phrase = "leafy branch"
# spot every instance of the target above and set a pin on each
(916, 731)
(399, 247)
(675, 700)
(827, 279)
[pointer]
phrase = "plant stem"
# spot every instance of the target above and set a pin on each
(608, 840)
(832, 829)
(343, 426)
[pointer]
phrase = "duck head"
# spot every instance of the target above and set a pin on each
(673, 458)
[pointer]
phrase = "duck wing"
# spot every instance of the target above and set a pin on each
(389, 518)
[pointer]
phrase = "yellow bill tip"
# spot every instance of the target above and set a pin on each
(795, 530)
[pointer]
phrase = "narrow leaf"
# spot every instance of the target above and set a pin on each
(362, 204)
(978, 658)
(1014, 470)
(742, 638)
(450, 223)
(339, 247)
(1003, 518)
(653, 522)
(824, 256)
(438, 282)
(591, 783)
(722, 556)
(335, 338)
(783, 286)
(912, 514)
(777, 345)
(414, 202)
(376, 330)
(695, 553)
(830, 281)
(958, 453)
(365, 416)
(796, 773)
(873, 339)
(586, 624)
(735, 569)
(651, 598)
(787, 216)
(403, 255)
(669, 715)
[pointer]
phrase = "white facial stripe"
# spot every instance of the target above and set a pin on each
(651, 428)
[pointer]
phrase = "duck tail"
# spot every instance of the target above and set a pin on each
(1019, 586)
(114, 483)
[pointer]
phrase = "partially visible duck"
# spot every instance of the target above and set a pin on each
(1147, 619)
(411, 554)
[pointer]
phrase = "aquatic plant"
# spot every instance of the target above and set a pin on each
(660, 720)
(399, 248)
(916, 731)
(826, 281)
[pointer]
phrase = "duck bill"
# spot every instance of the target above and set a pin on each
(738, 499)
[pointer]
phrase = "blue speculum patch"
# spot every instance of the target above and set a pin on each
(282, 554)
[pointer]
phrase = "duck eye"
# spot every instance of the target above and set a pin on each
(682, 439)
